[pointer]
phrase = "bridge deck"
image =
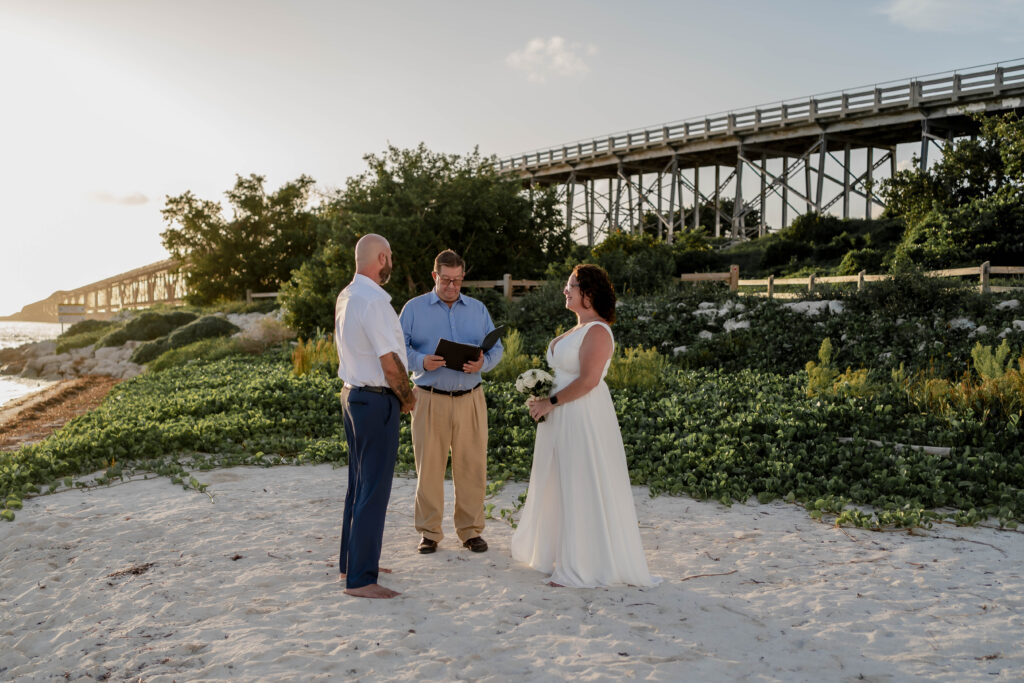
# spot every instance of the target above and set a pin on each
(880, 117)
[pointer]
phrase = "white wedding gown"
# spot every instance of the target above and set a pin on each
(579, 523)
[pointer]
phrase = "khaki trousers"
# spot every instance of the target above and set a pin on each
(455, 424)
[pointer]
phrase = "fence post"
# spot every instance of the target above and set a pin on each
(248, 296)
(860, 280)
(810, 282)
(506, 285)
(771, 286)
(734, 278)
(984, 277)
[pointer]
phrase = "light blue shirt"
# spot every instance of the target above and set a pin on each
(426, 319)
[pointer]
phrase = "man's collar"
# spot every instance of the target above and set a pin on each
(435, 299)
(372, 284)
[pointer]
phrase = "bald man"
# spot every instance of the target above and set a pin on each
(372, 362)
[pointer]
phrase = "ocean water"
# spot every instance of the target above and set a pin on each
(14, 334)
(17, 333)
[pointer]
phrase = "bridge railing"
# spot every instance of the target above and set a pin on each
(951, 86)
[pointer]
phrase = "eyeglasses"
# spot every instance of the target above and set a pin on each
(447, 281)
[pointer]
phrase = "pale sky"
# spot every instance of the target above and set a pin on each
(109, 106)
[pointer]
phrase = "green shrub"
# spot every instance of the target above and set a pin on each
(82, 334)
(783, 252)
(203, 328)
(145, 326)
(825, 245)
(699, 261)
(84, 326)
(910, 292)
(210, 349)
(150, 350)
(856, 260)
(179, 318)
(636, 264)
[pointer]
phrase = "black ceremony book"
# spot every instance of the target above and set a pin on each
(456, 355)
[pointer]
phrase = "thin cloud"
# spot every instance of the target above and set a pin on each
(553, 57)
(944, 16)
(134, 199)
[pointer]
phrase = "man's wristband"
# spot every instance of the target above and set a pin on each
(554, 400)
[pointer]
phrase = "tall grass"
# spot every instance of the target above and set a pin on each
(514, 361)
(636, 368)
(313, 355)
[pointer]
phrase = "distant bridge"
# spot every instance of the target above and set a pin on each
(837, 142)
(158, 283)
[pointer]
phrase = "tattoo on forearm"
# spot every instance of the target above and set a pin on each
(398, 380)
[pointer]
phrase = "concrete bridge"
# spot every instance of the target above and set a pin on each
(783, 159)
(157, 283)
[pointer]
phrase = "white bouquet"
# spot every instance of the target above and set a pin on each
(535, 382)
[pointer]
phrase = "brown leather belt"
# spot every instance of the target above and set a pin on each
(461, 392)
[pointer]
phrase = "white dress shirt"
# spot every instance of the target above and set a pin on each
(366, 328)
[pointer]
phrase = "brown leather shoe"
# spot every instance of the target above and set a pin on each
(427, 546)
(476, 544)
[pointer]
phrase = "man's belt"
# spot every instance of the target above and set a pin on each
(460, 392)
(376, 390)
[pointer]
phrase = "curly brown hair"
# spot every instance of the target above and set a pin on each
(597, 286)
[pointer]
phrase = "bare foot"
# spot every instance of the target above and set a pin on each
(382, 570)
(374, 590)
(555, 585)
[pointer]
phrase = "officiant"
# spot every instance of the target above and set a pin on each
(450, 418)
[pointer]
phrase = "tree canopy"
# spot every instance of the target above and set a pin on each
(424, 202)
(266, 237)
(969, 206)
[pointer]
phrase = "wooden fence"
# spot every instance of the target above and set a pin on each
(250, 295)
(507, 284)
(983, 272)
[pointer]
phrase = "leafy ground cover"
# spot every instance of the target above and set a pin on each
(712, 434)
(727, 411)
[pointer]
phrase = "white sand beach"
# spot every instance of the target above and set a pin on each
(144, 581)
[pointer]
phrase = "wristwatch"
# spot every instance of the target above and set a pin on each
(554, 400)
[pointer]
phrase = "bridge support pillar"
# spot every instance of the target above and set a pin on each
(785, 192)
(822, 154)
(718, 203)
(924, 144)
(672, 198)
(737, 206)
(697, 199)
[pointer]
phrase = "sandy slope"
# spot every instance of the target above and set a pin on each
(145, 581)
(36, 415)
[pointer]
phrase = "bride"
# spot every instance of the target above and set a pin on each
(578, 523)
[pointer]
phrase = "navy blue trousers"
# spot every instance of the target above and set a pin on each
(371, 430)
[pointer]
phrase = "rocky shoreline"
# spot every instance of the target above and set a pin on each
(40, 360)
